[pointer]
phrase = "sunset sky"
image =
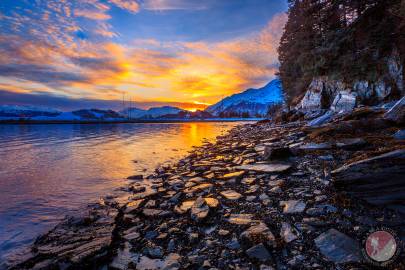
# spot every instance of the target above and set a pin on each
(71, 54)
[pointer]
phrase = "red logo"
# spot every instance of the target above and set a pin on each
(381, 247)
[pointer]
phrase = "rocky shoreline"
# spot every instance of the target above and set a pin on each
(264, 196)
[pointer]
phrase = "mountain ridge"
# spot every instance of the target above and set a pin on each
(253, 101)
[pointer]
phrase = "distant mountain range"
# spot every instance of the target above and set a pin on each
(17, 112)
(150, 113)
(250, 103)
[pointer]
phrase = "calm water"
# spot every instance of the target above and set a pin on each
(48, 171)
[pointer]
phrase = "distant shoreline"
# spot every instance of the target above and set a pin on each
(134, 121)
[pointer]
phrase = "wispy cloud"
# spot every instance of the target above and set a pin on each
(130, 5)
(162, 5)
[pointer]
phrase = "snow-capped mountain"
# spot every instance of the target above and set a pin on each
(155, 112)
(18, 112)
(26, 111)
(252, 102)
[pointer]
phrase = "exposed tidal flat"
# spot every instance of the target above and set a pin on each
(262, 196)
(49, 171)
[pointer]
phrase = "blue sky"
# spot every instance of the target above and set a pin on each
(171, 52)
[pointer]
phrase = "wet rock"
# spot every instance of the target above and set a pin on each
(154, 252)
(266, 168)
(136, 177)
(131, 234)
(212, 202)
(321, 210)
(258, 252)
(233, 244)
(400, 135)
(288, 233)
(133, 205)
(259, 233)
(338, 247)
(273, 153)
(171, 262)
(293, 206)
(241, 219)
(152, 212)
(233, 175)
(184, 207)
(379, 180)
(199, 210)
(199, 188)
(223, 232)
(231, 195)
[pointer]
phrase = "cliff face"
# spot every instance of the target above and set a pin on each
(325, 93)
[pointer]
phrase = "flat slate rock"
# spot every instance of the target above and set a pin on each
(233, 174)
(259, 252)
(338, 247)
(231, 195)
(379, 180)
(267, 168)
(293, 206)
(241, 219)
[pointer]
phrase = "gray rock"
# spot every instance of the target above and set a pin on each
(319, 210)
(199, 210)
(123, 258)
(292, 206)
(344, 102)
(259, 233)
(266, 168)
(241, 219)
(233, 244)
(259, 252)
(288, 233)
(231, 195)
(338, 247)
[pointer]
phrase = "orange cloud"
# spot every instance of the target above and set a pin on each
(196, 72)
(91, 14)
(129, 5)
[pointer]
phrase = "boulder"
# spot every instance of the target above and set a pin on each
(338, 247)
(344, 102)
(379, 180)
(397, 113)
(312, 99)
